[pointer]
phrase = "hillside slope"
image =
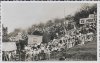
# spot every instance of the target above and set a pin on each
(88, 51)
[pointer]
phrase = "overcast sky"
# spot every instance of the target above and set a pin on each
(23, 15)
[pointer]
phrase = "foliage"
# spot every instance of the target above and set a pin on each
(84, 13)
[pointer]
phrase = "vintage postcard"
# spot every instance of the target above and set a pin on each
(37, 31)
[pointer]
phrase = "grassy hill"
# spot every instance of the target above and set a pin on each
(86, 52)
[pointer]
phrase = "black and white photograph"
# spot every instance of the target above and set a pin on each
(49, 31)
(49, 0)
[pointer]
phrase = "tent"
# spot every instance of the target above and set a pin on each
(8, 46)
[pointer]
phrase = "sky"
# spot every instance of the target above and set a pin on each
(23, 15)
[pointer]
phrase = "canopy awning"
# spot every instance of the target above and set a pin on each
(8, 46)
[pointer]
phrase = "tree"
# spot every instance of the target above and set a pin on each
(84, 13)
(46, 37)
(15, 32)
(5, 34)
(29, 31)
(49, 23)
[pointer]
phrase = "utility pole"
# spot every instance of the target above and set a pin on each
(64, 21)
